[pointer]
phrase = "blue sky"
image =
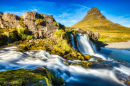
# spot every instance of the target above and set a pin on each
(69, 12)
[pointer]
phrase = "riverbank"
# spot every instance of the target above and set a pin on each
(119, 45)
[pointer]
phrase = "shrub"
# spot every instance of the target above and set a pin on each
(26, 37)
(3, 39)
(14, 36)
(59, 33)
(61, 27)
(22, 30)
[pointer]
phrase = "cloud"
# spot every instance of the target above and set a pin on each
(123, 20)
(34, 10)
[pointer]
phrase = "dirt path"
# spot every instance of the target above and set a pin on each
(119, 45)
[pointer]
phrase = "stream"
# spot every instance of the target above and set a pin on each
(11, 59)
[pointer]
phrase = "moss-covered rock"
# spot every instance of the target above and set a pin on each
(83, 64)
(22, 77)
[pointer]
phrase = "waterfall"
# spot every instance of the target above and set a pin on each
(84, 45)
(72, 41)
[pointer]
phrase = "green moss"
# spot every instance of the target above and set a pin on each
(87, 57)
(21, 23)
(58, 44)
(84, 64)
(22, 77)
(128, 83)
(59, 33)
(55, 23)
(39, 21)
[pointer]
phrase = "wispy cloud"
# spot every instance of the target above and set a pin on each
(34, 10)
(123, 20)
(71, 16)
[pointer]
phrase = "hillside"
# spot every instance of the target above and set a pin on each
(109, 31)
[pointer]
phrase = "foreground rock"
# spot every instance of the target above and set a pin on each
(26, 77)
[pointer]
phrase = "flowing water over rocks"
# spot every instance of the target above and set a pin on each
(73, 75)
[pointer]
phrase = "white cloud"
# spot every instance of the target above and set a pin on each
(34, 10)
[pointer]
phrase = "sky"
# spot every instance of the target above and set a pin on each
(69, 12)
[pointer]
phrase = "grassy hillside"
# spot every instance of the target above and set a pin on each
(109, 31)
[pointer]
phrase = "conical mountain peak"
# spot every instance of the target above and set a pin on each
(93, 13)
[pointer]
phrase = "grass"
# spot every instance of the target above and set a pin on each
(22, 77)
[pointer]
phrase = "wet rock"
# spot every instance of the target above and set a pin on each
(99, 65)
(40, 70)
(92, 35)
(66, 62)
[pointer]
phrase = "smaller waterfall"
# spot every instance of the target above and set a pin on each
(84, 45)
(72, 41)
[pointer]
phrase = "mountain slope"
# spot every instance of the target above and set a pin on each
(109, 31)
(94, 20)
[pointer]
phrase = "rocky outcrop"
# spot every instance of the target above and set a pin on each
(8, 20)
(92, 35)
(39, 25)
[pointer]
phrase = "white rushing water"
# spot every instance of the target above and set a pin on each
(85, 46)
(73, 75)
(72, 41)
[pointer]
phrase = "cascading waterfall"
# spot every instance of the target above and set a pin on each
(83, 45)
(72, 41)
(86, 46)
(73, 75)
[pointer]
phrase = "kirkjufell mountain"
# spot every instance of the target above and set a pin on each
(95, 21)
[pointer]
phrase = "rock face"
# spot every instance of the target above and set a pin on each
(39, 25)
(92, 35)
(8, 20)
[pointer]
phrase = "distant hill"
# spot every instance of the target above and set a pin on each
(95, 21)
(109, 31)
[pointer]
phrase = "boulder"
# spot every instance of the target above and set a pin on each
(93, 35)
(10, 17)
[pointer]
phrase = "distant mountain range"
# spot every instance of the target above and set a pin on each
(95, 21)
